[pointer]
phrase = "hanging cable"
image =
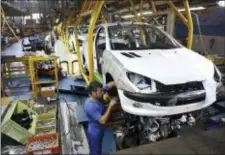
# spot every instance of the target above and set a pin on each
(5, 21)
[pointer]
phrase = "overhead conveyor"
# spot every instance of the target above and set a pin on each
(73, 84)
(96, 9)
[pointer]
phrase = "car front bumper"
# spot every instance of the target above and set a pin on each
(28, 48)
(165, 104)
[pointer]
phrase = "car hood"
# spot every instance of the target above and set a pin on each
(171, 66)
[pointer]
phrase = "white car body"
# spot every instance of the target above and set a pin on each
(72, 40)
(26, 45)
(167, 67)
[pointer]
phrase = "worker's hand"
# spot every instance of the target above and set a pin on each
(114, 101)
(111, 84)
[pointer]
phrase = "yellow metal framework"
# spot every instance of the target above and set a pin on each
(139, 18)
(5, 22)
(186, 20)
(95, 14)
(94, 9)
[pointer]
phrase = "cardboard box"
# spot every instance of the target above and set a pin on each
(47, 91)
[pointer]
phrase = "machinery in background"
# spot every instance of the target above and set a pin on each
(46, 68)
(36, 43)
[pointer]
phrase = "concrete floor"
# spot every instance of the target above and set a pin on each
(208, 142)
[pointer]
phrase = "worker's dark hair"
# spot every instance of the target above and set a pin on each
(93, 86)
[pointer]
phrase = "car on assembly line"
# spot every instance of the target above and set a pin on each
(32, 43)
(159, 81)
(26, 45)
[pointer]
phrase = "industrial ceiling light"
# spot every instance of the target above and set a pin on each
(193, 8)
(127, 16)
(57, 20)
(221, 3)
(35, 15)
(139, 14)
(145, 13)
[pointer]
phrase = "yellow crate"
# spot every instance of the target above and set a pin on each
(46, 123)
(46, 109)
(46, 116)
(45, 130)
(46, 119)
(13, 129)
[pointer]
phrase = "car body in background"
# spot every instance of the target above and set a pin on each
(32, 44)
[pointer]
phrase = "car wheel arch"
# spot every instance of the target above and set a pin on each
(108, 77)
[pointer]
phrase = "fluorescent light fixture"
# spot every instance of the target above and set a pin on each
(57, 20)
(145, 13)
(221, 3)
(128, 16)
(139, 14)
(150, 12)
(193, 8)
(35, 15)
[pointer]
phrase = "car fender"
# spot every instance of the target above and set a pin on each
(112, 66)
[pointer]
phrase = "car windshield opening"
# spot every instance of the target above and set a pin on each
(139, 37)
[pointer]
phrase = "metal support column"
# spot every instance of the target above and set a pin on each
(190, 24)
(186, 20)
(171, 22)
(110, 17)
(78, 21)
(94, 17)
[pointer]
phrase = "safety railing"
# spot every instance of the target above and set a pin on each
(67, 65)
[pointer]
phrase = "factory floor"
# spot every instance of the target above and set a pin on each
(207, 142)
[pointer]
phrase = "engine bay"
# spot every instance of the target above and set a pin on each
(135, 130)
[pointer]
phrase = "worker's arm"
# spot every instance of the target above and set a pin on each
(93, 112)
(109, 86)
(105, 117)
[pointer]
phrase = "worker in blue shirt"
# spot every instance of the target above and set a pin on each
(94, 108)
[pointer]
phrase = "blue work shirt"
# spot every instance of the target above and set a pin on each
(94, 110)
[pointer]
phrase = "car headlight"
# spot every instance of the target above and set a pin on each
(141, 82)
(217, 75)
